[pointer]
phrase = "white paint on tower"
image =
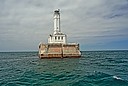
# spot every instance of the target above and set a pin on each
(56, 17)
(57, 36)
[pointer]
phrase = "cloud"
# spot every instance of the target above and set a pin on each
(24, 23)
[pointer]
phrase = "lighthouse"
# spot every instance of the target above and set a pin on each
(57, 46)
(57, 36)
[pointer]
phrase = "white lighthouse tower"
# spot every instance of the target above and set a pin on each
(57, 45)
(56, 18)
(57, 36)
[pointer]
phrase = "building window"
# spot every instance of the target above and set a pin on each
(39, 46)
(58, 38)
(61, 38)
(55, 37)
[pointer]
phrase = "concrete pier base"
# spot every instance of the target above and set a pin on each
(57, 50)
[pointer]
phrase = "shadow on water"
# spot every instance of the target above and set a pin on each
(53, 72)
(57, 65)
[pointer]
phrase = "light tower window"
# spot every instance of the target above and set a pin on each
(58, 38)
(55, 38)
(61, 38)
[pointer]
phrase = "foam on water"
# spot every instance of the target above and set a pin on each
(115, 77)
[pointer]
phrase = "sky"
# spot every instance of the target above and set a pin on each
(94, 24)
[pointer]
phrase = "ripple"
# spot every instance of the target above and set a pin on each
(92, 69)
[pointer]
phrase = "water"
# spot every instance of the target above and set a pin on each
(94, 68)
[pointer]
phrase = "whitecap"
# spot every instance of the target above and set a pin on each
(115, 77)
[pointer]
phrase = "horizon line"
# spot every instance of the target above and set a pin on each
(81, 50)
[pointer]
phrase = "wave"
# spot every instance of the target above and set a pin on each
(100, 79)
(115, 77)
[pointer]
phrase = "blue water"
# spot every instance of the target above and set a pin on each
(94, 68)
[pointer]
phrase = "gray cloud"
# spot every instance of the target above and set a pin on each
(24, 23)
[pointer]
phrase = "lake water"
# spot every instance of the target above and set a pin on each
(94, 68)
